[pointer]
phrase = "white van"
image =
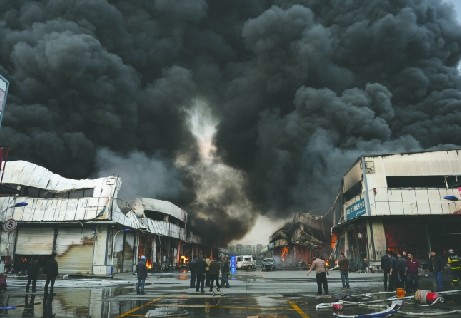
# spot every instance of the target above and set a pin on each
(246, 262)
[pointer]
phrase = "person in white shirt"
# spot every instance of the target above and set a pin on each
(321, 272)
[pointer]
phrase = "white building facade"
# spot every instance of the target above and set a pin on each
(91, 231)
(397, 202)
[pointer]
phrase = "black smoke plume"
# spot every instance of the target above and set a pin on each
(297, 90)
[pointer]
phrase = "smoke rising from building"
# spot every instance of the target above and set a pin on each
(295, 91)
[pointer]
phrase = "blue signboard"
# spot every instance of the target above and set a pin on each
(233, 264)
(355, 210)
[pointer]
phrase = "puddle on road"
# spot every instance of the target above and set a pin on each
(277, 306)
(167, 312)
(113, 301)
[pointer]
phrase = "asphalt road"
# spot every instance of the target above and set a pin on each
(252, 294)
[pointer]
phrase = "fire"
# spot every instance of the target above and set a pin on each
(284, 253)
(149, 264)
(184, 259)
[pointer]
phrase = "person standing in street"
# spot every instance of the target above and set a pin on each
(193, 272)
(386, 267)
(51, 272)
(141, 271)
(393, 272)
(225, 271)
(401, 271)
(344, 270)
(437, 268)
(207, 271)
(33, 268)
(454, 264)
(366, 265)
(413, 264)
(200, 268)
(215, 267)
(321, 271)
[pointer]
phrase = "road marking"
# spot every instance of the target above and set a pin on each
(224, 307)
(211, 306)
(139, 307)
(298, 310)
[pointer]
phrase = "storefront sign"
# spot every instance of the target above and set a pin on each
(355, 210)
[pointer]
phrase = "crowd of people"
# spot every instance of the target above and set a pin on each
(50, 270)
(205, 272)
(401, 270)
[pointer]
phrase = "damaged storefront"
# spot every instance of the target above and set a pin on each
(397, 202)
(91, 230)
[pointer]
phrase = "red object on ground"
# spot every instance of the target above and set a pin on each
(426, 297)
(431, 297)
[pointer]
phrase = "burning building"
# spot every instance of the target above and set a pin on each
(297, 242)
(399, 202)
(92, 231)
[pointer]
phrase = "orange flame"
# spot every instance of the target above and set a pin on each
(149, 264)
(284, 253)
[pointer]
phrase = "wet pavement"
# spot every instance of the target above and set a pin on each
(252, 294)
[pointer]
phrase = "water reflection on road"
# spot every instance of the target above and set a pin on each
(277, 294)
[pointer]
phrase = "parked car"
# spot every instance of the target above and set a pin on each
(268, 264)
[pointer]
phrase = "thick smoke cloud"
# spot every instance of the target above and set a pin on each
(298, 91)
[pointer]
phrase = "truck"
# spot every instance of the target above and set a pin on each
(247, 262)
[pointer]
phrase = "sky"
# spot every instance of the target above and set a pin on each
(240, 112)
(457, 5)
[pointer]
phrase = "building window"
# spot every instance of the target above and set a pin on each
(352, 192)
(423, 181)
(33, 192)
(369, 167)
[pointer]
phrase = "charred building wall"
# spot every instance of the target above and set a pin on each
(397, 202)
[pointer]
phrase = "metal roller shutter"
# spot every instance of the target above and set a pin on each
(35, 241)
(74, 248)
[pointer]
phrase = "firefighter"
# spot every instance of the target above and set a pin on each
(455, 267)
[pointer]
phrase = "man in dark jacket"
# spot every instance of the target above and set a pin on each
(401, 271)
(344, 270)
(193, 272)
(215, 267)
(32, 273)
(200, 268)
(51, 272)
(437, 268)
(393, 272)
(386, 267)
(141, 271)
(225, 271)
